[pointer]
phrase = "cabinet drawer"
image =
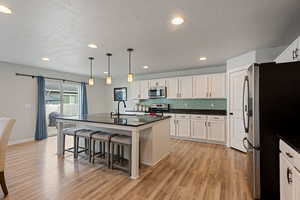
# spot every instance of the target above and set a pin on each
(215, 118)
(200, 117)
(182, 116)
(292, 155)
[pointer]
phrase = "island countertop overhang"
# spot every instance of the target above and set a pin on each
(121, 120)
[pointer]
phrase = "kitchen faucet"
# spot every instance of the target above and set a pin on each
(119, 106)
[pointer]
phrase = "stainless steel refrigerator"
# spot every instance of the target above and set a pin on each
(271, 98)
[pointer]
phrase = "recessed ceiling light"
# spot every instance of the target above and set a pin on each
(177, 20)
(5, 10)
(203, 58)
(93, 46)
(45, 59)
(105, 72)
(146, 67)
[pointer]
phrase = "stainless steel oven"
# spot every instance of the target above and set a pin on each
(157, 92)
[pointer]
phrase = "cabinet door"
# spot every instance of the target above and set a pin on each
(200, 87)
(296, 185)
(286, 179)
(183, 127)
(198, 129)
(186, 87)
(135, 90)
(216, 131)
(288, 55)
(172, 88)
(217, 85)
(172, 124)
(158, 83)
(144, 89)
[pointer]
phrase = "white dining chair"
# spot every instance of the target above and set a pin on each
(6, 126)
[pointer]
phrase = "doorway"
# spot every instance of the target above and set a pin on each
(61, 99)
(236, 128)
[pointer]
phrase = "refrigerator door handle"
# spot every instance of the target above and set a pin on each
(245, 107)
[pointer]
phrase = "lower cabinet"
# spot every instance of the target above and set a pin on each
(198, 129)
(183, 127)
(201, 127)
(289, 174)
(216, 130)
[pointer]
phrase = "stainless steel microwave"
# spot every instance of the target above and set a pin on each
(157, 92)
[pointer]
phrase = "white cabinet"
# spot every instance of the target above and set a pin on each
(135, 90)
(181, 87)
(139, 89)
(289, 173)
(157, 83)
(217, 85)
(172, 124)
(183, 125)
(200, 86)
(209, 86)
(286, 179)
(290, 54)
(208, 128)
(144, 89)
(185, 89)
(216, 130)
(172, 85)
(198, 127)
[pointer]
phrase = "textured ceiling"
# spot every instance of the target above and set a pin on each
(217, 29)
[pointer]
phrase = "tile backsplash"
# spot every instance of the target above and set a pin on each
(213, 104)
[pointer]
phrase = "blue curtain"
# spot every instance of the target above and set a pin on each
(83, 100)
(41, 126)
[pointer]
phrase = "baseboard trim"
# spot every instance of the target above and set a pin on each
(14, 142)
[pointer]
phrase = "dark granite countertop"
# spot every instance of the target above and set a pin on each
(192, 111)
(291, 140)
(123, 120)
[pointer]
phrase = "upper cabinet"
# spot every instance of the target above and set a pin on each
(172, 88)
(291, 54)
(157, 83)
(180, 87)
(209, 86)
(139, 89)
(185, 87)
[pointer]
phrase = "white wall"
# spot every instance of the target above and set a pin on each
(18, 97)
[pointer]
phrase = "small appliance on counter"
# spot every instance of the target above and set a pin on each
(157, 92)
(158, 109)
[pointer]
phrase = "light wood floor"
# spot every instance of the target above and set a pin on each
(192, 171)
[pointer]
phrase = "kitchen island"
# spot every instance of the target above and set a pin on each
(150, 134)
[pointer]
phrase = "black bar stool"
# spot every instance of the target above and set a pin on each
(104, 141)
(120, 141)
(87, 135)
(71, 131)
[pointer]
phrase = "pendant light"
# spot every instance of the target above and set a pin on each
(130, 74)
(109, 77)
(91, 79)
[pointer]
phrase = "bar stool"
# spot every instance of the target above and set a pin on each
(71, 131)
(87, 135)
(121, 141)
(104, 140)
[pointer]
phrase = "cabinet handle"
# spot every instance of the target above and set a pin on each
(205, 124)
(296, 53)
(289, 175)
(289, 155)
